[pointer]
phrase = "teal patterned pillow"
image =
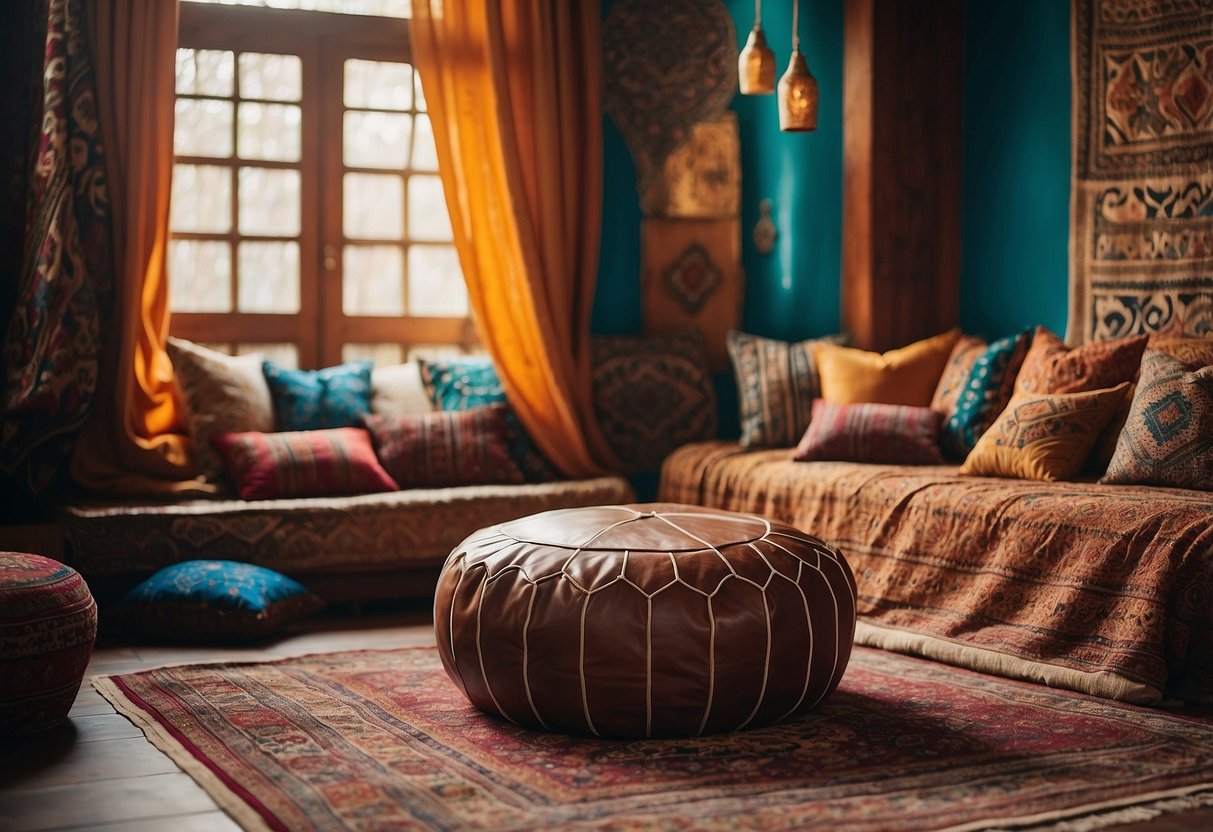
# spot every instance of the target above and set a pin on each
(985, 395)
(215, 600)
(465, 382)
(334, 397)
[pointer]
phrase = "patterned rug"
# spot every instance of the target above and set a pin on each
(381, 740)
(1141, 230)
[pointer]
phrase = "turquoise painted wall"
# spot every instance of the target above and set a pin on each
(1016, 175)
(793, 292)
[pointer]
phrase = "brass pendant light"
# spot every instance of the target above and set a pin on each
(756, 63)
(798, 97)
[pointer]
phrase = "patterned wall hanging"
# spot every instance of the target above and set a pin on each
(701, 178)
(691, 279)
(1141, 230)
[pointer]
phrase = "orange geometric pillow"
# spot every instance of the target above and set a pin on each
(1052, 367)
(1191, 352)
(1044, 437)
(906, 376)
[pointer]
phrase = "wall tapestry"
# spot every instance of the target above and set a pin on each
(52, 343)
(671, 72)
(1141, 228)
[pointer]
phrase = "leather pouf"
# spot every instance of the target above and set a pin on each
(645, 620)
(48, 622)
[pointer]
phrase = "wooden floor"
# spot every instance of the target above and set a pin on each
(99, 773)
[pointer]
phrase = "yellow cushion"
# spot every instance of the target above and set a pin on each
(1044, 436)
(905, 376)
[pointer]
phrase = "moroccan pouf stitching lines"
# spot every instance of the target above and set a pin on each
(48, 623)
(657, 620)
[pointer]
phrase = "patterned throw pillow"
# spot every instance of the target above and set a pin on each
(1044, 436)
(215, 600)
(776, 384)
(892, 434)
(222, 394)
(334, 397)
(1052, 367)
(1168, 437)
(1195, 352)
(985, 394)
(464, 382)
(447, 448)
(956, 374)
(308, 463)
(652, 394)
(908, 375)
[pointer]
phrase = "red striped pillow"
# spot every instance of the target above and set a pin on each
(891, 434)
(446, 448)
(305, 463)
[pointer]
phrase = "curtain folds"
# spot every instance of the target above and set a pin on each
(134, 443)
(513, 91)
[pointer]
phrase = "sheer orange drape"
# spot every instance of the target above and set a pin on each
(133, 444)
(513, 94)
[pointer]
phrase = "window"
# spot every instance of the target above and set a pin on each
(308, 219)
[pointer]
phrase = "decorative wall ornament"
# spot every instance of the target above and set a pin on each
(765, 231)
(702, 177)
(1141, 230)
(668, 66)
(692, 279)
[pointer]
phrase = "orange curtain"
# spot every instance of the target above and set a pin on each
(133, 443)
(513, 94)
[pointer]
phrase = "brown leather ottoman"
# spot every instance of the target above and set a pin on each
(644, 621)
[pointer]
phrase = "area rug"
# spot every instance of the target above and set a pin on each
(382, 740)
(1141, 228)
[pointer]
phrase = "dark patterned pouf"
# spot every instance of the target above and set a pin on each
(644, 621)
(48, 621)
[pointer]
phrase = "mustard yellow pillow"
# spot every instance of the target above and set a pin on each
(906, 376)
(1044, 436)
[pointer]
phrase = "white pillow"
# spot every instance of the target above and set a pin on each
(222, 394)
(397, 391)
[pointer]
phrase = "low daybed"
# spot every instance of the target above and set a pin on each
(1106, 589)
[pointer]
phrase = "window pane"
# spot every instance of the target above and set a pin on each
(433, 351)
(275, 77)
(436, 284)
(284, 355)
(205, 72)
(373, 206)
(372, 280)
(383, 355)
(428, 219)
(378, 8)
(202, 199)
(203, 127)
(269, 202)
(267, 277)
(269, 131)
(425, 155)
(200, 276)
(378, 85)
(376, 140)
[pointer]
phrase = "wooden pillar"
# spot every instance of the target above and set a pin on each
(903, 69)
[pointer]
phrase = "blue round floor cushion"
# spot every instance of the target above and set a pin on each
(209, 600)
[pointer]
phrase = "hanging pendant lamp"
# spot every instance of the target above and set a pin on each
(798, 95)
(756, 63)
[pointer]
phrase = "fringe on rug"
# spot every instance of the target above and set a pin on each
(1128, 814)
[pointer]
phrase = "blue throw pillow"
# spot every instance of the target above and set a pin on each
(215, 600)
(986, 393)
(465, 382)
(335, 397)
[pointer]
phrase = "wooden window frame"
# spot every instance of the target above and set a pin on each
(323, 41)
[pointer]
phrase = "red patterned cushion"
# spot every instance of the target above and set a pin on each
(885, 433)
(1052, 367)
(446, 448)
(306, 463)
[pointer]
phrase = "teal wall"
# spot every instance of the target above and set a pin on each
(794, 291)
(1016, 175)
